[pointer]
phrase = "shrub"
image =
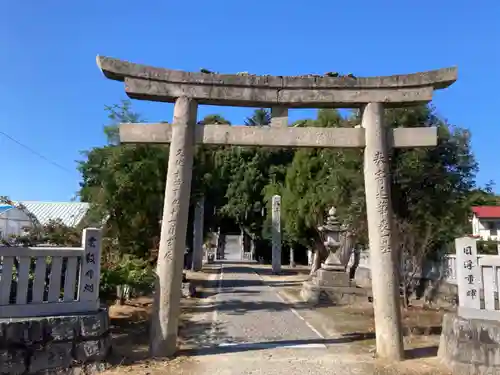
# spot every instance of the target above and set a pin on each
(134, 272)
(487, 247)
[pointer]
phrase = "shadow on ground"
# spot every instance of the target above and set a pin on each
(245, 347)
(230, 285)
(238, 307)
(423, 352)
(267, 271)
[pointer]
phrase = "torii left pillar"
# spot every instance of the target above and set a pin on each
(165, 317)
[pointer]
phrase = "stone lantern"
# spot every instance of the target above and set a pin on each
(331, 233)
(331, 279)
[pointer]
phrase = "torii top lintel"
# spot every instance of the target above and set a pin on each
(166, 85)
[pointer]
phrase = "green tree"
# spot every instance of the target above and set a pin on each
(56, 232)
(125, 185)
(430, 186)
(214, 119)
(260, 117)
(247, 173)
(484, 196)
(207, 178)
(316, 180)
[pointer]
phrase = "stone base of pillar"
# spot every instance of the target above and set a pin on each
(332, 278)
(332, 287)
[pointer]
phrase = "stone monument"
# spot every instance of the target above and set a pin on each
(198, 250)
(332, 281)
(189, 89)
(276, 234)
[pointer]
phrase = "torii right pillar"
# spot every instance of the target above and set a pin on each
(389, 338)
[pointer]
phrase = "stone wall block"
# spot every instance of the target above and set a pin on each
(62, 329)
(92, 350)
(53, 356)
(94, 325)
(469, 352)
(92, 368)
(68, 344)
(12, 361)
(493, 355)
(20, 333)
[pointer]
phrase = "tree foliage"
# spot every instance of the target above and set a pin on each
(260, 117)
(125, 186)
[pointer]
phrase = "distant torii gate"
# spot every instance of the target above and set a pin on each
(187, 90)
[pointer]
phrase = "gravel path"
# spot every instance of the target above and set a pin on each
(255, 331)
(248, 311)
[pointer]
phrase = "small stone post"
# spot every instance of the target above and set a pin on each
(217, 241)
(165, 317)
(199, 213)
(242, 244)
(276, 234)
(468, 277)
(385, 285)
(292, 257)
(252, 248)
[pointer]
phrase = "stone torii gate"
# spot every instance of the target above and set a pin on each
(187, 90)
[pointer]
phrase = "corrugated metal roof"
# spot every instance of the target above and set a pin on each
(71, 213)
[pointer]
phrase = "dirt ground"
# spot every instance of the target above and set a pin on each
(130, 333)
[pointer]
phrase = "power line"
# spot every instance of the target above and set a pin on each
(35, 152)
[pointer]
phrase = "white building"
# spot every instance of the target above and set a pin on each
(14, 221)
(486, 222)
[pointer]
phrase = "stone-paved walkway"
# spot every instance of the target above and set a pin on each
(255, 331)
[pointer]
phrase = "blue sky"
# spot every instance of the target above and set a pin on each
(52, 94)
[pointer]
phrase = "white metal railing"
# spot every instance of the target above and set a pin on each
(38, 281)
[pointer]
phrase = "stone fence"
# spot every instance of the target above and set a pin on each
(444, 270)
(38, 281)
(50, 316)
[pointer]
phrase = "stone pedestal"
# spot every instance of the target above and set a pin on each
(331, 286)
(470, 346)
(332, 278)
